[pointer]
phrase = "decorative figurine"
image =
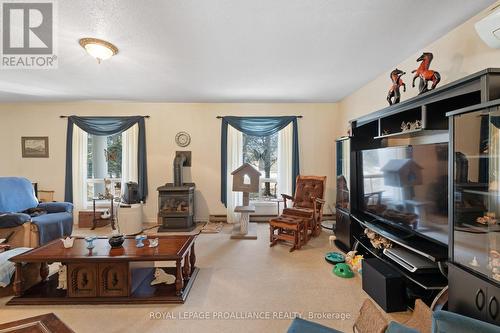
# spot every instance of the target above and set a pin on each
(394, 95)
(62, 277)
(494, 263)
(425, 74)
(105, 215)
(139, 240)
(162, 277)
(153, 242)
(411, 126)
(107, 189)
(488, 219)
(377, 241)
(332, 240)
(68, 242)
(90, 242)
(474, 262)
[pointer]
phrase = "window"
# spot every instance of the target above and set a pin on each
(104, 162)
(262, 153)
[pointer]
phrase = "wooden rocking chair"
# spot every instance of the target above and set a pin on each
(308, 202)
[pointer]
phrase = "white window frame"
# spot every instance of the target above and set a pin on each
(104, 202)
(87, 181)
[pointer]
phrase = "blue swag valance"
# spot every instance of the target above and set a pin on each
(257, 126)
(106, 126)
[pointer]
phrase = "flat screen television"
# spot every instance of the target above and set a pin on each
(407, 187)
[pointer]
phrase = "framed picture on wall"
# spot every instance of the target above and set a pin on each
(35, 146)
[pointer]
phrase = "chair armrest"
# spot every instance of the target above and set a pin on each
(56, 207)
(10, 220)
(285, 198)
(317, 207)
(320, 201)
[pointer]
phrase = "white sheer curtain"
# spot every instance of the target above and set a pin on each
(130, 146)
(234, 161)
(80, 147)
(285, 144)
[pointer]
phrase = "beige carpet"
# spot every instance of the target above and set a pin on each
(236, 278)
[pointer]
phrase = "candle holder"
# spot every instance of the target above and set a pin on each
(90, 242)
(139, 239)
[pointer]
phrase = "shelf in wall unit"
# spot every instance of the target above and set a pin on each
(484, 193)
(411, 133)
(434, 281)
(410, 241)
(477, 228)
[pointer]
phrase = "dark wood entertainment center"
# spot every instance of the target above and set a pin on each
(383, 129)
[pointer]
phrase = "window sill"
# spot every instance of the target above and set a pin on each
(263, 203)
(99, 204)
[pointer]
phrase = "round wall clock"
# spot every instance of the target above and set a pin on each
(182, 139)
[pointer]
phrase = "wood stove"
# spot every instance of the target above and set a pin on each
(176, 200)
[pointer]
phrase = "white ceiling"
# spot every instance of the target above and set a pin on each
(233, 50)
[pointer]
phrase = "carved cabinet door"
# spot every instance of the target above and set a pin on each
(113, 279)
(82, 280)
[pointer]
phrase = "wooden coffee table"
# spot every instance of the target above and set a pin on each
(46, 323)
(104, 275)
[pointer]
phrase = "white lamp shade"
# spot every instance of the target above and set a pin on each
(99, 51)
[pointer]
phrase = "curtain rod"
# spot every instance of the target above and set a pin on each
(98, 116)
(220, 117)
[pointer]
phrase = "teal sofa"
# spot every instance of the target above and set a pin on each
(442, 322)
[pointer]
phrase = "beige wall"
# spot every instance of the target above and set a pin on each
(457, 54)
(316, 135)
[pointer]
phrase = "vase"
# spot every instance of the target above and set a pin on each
(116, 241)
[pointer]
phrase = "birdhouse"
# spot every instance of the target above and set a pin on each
(403, 172)
(246, 179)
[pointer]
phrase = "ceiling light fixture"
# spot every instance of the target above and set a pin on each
(98, 48)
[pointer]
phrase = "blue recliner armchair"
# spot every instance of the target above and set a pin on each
(48, 221)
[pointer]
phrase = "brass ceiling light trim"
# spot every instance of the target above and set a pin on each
(98, 48)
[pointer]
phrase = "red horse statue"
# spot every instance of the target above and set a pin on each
(397, 82)
(425, 74)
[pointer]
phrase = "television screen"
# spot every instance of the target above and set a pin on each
(408, 187)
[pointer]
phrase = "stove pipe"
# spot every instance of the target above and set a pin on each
(179, 162)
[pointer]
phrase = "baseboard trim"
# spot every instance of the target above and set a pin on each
(254, 218)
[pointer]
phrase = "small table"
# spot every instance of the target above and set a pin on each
(279, 201)
(112, 212)
(105, 275)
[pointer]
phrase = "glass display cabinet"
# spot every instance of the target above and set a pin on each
(343, 225)
(343, 149)
(474, 276)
